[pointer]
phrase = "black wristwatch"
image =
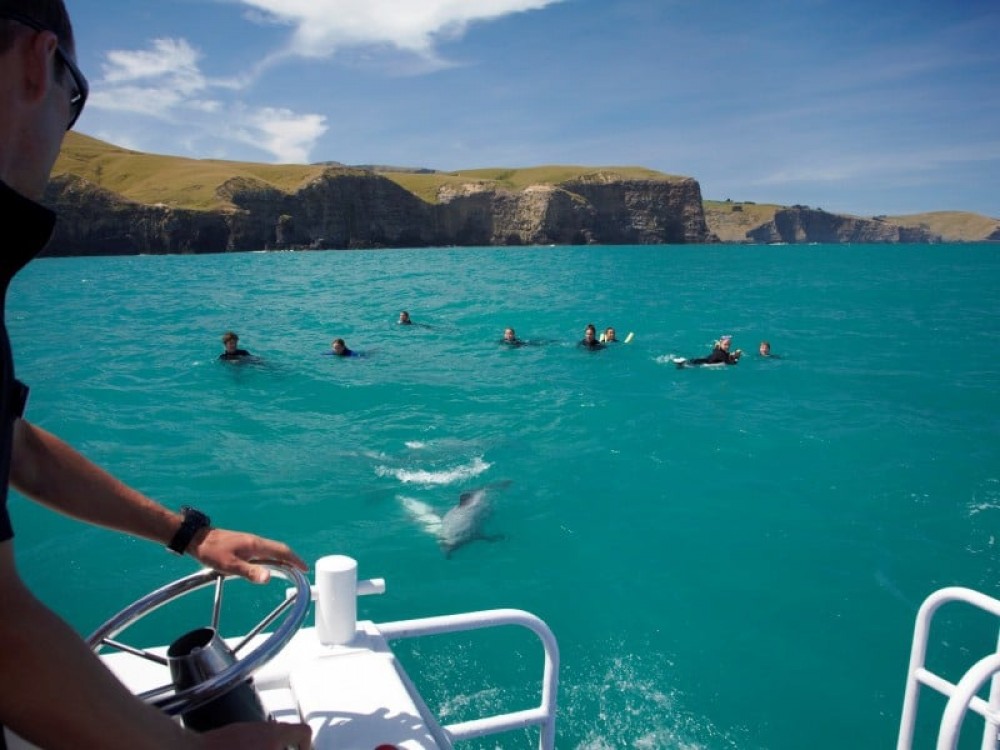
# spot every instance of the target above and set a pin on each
(194, 521)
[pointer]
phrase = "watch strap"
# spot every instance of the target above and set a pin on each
(194, 521)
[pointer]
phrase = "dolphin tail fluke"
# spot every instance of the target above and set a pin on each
(423, 514)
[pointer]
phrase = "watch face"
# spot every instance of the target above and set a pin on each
(194, 516)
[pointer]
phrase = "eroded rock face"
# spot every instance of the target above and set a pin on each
(354, 208)
(475, 214)
(93, 221)
(802, 225)
(643, 212)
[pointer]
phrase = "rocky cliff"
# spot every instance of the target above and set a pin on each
(93, 221)
(356, 208)
(798, 225)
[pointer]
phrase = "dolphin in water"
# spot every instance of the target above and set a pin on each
(461, 524)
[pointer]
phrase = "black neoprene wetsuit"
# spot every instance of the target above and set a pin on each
(238, 354)
(718, 356)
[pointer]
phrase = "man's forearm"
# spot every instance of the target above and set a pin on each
(56, 693)
(53, 473)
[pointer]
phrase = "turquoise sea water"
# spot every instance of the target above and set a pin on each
(730, 558)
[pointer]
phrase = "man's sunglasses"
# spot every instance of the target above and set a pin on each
(78, 96)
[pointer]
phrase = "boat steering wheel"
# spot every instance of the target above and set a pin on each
(175, 702)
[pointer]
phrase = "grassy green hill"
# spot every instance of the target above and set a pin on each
(954, 226)
(426, 185)
(731, 221)
(194, 183)
(174, 181)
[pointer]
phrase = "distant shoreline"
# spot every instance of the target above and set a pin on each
(113, 201)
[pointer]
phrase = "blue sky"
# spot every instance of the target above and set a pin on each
(867, 107)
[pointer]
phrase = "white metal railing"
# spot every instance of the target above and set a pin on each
(961, 696)
(335, 593)
(543, 716)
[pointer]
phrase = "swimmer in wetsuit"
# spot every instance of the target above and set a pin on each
(589, 340)
(231, 341)
(404, 320)
(511, 339)
(339, 349)
(765, 350)
(720, 354)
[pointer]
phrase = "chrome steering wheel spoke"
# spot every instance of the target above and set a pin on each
(294, 608)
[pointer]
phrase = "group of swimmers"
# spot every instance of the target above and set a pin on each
(590, 340)
(720, 353)
(338, 347)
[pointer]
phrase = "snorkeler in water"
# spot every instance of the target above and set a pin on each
(231, 341)
(765, 350)
(405, 320)
(510, 338)
(339, 349)
(720, 354)
(589, 340)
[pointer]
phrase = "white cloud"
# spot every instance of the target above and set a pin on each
(153, 101)
(321, 27)
(172, 60)
(165, 81)
(288, 136)
(154, 81)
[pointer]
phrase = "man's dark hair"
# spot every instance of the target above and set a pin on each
(48, 13)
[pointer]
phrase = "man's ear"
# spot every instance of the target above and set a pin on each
(38, 56)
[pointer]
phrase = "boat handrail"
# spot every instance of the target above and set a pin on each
(544, 715)
(961, 696)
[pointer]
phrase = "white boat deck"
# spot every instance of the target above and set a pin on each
(342, 678)
(351, 696)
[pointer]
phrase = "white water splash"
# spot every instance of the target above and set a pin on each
(444, 476)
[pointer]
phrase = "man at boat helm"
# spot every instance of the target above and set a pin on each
(54, 691)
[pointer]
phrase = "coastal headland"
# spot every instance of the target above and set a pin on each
(113, 201)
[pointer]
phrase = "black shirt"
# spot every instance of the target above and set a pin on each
(237, 354)
(27, 227)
